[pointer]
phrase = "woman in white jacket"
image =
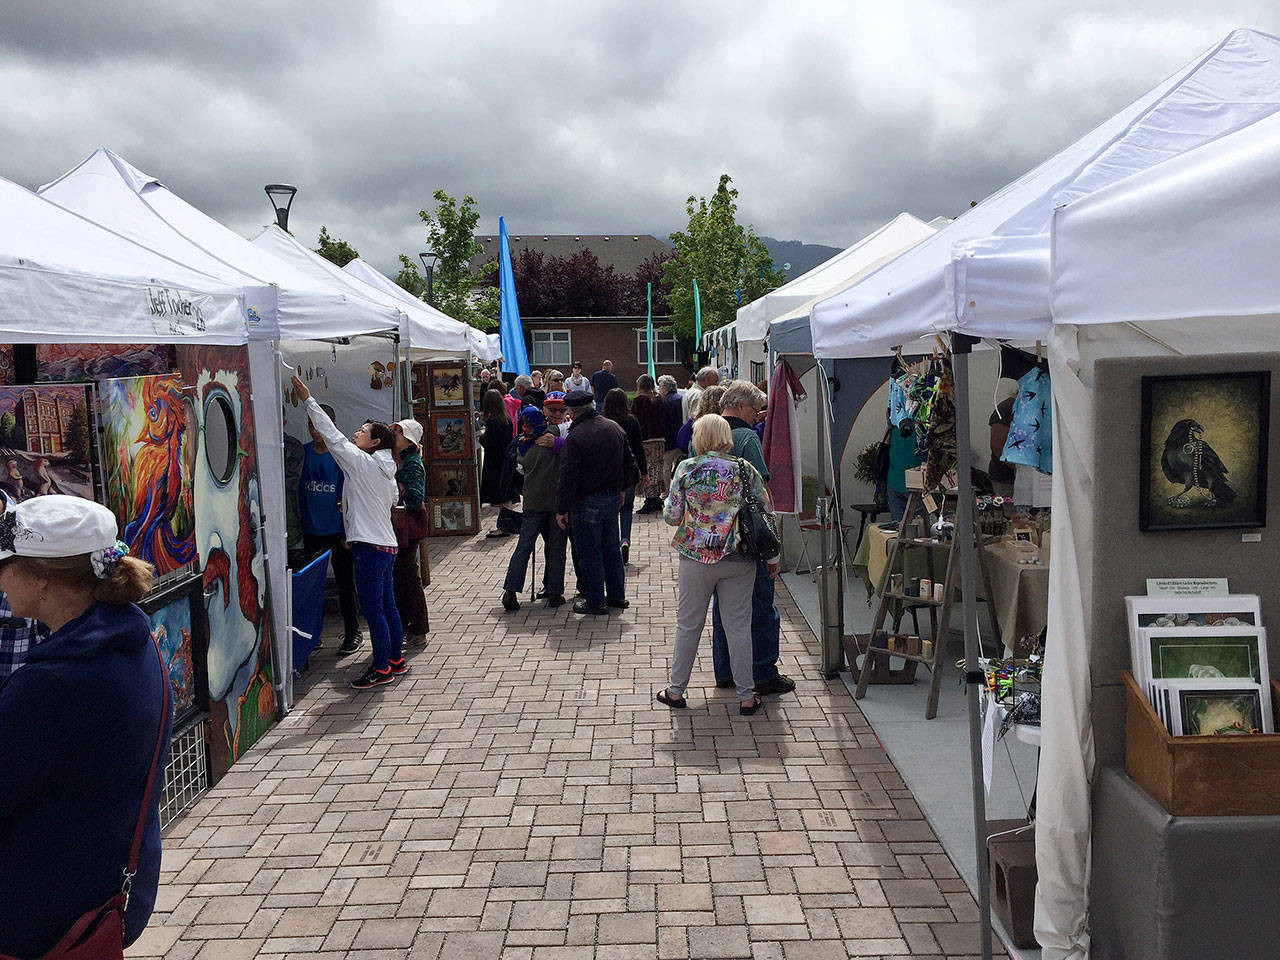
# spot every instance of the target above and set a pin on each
(368, 493)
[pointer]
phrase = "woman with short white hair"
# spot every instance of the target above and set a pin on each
(706, 494)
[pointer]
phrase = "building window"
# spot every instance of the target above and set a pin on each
(666, 349)
(552, 348)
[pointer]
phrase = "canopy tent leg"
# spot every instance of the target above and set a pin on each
(961, 346)
(830, 575)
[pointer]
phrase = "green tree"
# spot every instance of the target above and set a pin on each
(730, 263)
(459, 291)
(410, 279)
(8, 423)
(335, 250)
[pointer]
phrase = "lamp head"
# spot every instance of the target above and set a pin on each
(281, 197)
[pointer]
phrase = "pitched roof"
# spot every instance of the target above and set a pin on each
(625, 252)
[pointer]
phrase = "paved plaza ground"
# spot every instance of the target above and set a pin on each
(519, 795)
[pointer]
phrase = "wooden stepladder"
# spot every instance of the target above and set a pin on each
(875, 659)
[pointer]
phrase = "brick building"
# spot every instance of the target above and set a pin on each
(45, 420)
(558, 341)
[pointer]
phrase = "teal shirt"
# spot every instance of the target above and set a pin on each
(902, 457)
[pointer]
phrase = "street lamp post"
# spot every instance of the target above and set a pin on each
(428, 258)
(281, 197)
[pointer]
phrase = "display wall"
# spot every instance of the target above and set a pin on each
(1126, 556)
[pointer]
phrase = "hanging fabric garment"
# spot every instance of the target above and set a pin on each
(1030, 441)
(898, 410)
(940, 441)
(782, 438)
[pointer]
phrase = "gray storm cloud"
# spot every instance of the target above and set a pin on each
(577, 116)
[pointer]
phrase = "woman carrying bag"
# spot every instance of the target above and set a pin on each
(409, 519)
(707, 494)
(84, 738)
(368, 493)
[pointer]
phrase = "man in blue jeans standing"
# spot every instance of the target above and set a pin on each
(741, 403)
(588, 496)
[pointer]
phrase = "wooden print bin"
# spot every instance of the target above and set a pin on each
(1203, 776)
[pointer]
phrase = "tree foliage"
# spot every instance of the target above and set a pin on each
(730, 263)
(579, 286)
(451, 230)
(410, 279)
(335, 249)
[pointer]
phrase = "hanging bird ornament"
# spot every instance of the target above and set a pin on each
(1190, 461)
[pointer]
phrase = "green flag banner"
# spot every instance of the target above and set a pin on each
(697, 317)
(649, 300)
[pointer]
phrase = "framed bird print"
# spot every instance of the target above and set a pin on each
(1203, 460)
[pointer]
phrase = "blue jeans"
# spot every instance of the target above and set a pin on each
(626, 513)
(898, 505)
(595, 534)
(538, 523)
(375, 586)
(765, 627)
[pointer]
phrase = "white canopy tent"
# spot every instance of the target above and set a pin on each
(1138, 267)
(875, 249)
(987, 273)
(283, 303)
(66, 279)
(424, 331)
(483, 346)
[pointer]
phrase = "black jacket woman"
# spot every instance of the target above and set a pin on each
(80, 722)
(494, 441)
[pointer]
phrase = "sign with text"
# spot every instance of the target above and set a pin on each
(1187, 587)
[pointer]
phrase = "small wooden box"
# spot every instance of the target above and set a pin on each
(1201, 776)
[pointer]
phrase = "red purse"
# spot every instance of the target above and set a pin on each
(99, 933)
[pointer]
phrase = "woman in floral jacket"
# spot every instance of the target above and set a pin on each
(702, 504)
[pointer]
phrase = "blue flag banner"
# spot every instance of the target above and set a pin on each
(649, 300)
(510, 333)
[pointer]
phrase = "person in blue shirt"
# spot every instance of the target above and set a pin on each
(320, 513)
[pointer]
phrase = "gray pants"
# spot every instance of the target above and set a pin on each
(731, 580)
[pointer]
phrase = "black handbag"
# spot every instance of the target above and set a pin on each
(757, 534)
(509, 520)
(880, 463)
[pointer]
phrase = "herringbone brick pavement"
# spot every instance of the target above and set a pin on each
(519, 795)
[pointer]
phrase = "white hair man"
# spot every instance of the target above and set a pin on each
(741, 406)
(706, 377)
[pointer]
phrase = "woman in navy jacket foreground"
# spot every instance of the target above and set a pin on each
(79, 726)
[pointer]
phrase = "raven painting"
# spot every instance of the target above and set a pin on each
(1189, 461)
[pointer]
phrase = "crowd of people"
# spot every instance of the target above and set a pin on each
(571, 462)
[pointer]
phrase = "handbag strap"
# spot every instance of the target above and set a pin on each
(135, 850)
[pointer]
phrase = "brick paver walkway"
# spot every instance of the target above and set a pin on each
(519, 795)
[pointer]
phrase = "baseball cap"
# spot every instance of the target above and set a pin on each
(412, 429)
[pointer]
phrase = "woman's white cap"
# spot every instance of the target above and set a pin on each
(55, 525)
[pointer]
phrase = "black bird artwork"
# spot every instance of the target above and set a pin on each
(1190, 461)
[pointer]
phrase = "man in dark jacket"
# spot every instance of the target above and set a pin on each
(588, 496)
(602, 381)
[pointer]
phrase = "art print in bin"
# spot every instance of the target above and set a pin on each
(1220, 712)
(228, 510)
(148, 457)
(46, 440)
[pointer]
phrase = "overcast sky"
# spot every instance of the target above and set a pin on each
(591, 117)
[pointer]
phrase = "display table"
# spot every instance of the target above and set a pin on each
(1019, 592)
(1179, 888)
(873, 554)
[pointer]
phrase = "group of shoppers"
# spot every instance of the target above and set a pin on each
(348, 493)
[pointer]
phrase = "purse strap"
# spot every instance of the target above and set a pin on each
(135, 850)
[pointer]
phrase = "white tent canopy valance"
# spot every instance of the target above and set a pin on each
(284, 302)
(65, 279)
(987, 273)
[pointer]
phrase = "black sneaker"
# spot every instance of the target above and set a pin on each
(398, 666)
(626, 552)
(373, 677)
(350, 644)
(618, 604)
(725, 684)
(555, 600)
(778, 684)
(509, 600)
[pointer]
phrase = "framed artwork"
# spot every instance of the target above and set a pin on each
(100, 361)
(1222, 711)
(180, 630)
(453, 516)
(452, 480)
(1203, 459)
(47, 432)
(1211, 652)
(148, 462)
(450, 436)
(448, 384)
